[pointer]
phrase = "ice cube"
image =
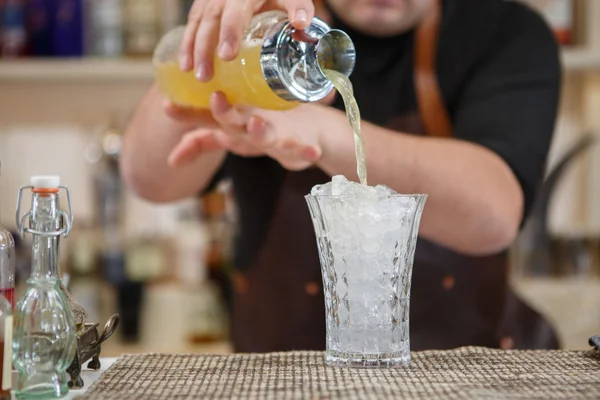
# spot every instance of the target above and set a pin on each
(321, 190)
(383, 190)
(370, 246)
(358, 190)
(338, 184)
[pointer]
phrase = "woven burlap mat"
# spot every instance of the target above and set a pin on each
(465, 373)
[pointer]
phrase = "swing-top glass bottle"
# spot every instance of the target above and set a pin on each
(45, 333)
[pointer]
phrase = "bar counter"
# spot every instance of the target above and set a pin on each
(463, 373)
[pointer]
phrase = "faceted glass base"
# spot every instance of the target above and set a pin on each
(362, 360)
(42, 386)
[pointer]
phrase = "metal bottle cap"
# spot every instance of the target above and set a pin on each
(293, 60)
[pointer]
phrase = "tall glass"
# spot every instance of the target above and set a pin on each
(366, 249)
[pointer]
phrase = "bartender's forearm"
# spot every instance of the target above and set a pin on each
(475, 202)
(149, 139)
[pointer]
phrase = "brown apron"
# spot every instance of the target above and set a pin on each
(456, 300)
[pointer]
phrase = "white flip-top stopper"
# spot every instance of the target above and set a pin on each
(45, 181)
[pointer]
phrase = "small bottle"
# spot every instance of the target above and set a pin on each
(105, 28)
(7, 289)
(82, 265)
(6, 336)
(68, 32)
(7, 265)
(142, 26)
(218, 257)
(40, 17)
(13, 29)
(202, 325)
(45, 336)
(170, 15)
(277, 66)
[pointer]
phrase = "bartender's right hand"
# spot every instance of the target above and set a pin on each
(218, 26)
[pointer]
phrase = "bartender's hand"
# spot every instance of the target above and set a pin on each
(219, 24)
(290, 137)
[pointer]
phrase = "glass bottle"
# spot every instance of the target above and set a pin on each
(7, 265)
(40, 14)
(108, 187)
(82, 262)
(6, 335)
(277, 66)
(7, 291)
(170, 15)
(68, 30)
(142, 26)
(45, 337)
(13, 32)
(105, 27)
(204, 312)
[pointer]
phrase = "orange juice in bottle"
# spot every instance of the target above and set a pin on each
(277, 67)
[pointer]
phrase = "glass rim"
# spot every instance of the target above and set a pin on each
(353, 196)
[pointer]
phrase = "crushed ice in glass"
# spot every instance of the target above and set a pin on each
(366, 237)
(340, 186)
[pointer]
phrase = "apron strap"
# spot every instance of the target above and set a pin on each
(429, 97)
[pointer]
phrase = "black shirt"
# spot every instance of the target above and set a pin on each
(499, 73)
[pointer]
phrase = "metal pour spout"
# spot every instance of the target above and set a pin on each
(335, 51)
(293, 60)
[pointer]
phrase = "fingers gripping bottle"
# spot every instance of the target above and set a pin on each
(45, 333)
(277, 68)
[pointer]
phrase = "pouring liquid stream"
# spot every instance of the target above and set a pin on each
(344, 88)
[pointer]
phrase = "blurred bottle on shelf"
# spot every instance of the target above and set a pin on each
(142, 26)
(40, 24)
(74, 28)
(113, 251)
(170, 15)
(69, 28)
(13, 29)
(220, 230)
(146, 258)
(104, 20)
(205, 314)
(82, 265)
(55, 28)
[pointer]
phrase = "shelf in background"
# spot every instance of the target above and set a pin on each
(83, 70)
(97, 70)
(581, 60)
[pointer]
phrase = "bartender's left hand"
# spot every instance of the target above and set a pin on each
(291, 137)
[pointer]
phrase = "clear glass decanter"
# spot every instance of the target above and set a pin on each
(45, 335)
